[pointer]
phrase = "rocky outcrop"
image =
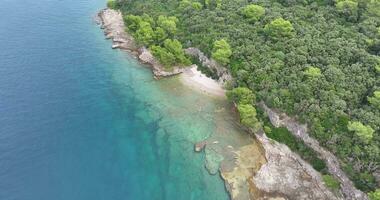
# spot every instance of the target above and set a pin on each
(247, 161)
(147, 58)
(222, 72)
(281, 174)
(300, 131)
(113, 24)
(287, 175)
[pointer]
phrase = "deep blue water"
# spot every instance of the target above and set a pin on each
(81, 121)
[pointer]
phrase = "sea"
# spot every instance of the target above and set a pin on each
(81, 121)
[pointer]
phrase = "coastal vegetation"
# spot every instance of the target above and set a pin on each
(157, 33)
(318, 61)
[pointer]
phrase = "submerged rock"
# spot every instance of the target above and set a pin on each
(198, 147)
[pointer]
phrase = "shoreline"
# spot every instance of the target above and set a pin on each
(276, 173)
(112, 23)
(194, 79)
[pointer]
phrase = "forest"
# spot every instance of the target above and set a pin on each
(316, 60)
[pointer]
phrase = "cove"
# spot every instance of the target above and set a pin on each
(82, 121)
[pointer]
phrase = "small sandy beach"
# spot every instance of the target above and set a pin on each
(198, 81)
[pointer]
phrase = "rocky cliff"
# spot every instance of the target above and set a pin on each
(300, 130)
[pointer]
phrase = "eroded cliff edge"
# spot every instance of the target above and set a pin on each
(279, 119)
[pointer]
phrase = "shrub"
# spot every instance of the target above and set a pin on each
(331, 182)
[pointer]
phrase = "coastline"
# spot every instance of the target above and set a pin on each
(112, 23)
(261, 169)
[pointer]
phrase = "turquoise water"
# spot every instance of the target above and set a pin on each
(82, 121)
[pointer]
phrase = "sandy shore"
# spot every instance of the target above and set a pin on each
(198, 81)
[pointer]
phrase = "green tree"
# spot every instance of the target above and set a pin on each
(248, 116)
(365, 133)
(189, 4)
(163, 55)
(145, 33)
(213, 3)
(133, 22)
(160, 35)
(375, 100)
(349, 8)
(170, 54)
(279, 28)
(377, 68)
(169, 24)
(184, 4)
(196, 5)
(373, 7)
(222, 52)
(175, 47)
(313, 72)
(241, 95)
(253, 12)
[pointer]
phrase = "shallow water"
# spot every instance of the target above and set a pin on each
(82, 121)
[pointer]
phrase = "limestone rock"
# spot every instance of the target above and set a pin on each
(300, 130)
(285, 173)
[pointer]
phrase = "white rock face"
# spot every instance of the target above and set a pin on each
(287, 174)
